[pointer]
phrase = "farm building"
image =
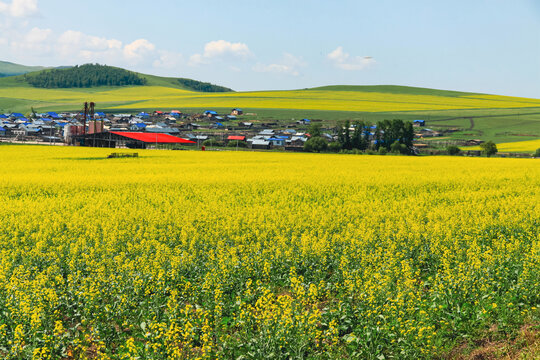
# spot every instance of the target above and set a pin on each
(236, 138)
(276, 141)
(137, 126)
(236, 112)
(135, 140)
(210, 113)
(259, 144)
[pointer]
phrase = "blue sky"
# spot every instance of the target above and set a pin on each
(476, 45)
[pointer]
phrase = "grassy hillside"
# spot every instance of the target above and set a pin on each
(489, 117)
(11, 69)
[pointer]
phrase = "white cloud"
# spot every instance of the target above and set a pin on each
(19, 8)
(344, 61)
(220, 49)
(138, 49)
(168, 60)
(289, 64)
(36, 41)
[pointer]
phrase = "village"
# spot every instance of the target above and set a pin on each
(173, 129)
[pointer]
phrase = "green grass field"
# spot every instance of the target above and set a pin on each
(488, 117)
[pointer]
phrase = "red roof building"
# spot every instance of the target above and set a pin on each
(236, 137)
(154, 138)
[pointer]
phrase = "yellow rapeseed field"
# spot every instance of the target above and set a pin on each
(516, 146)
(186, 254)
(157, 97)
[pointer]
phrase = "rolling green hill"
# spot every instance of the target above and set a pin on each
(11, 69)
(467, 115)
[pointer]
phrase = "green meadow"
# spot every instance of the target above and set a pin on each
(473, 115)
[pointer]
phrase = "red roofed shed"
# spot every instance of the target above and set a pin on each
(236, 137)
(153, 137)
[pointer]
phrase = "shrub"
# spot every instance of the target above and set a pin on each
(537, 153)
(237, 143)
(382, 151)
(453, 150)
(212, 142)
(334, 146)
(315, 144)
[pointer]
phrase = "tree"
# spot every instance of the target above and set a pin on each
(334, 146)
(344, 136)
(315, 144)
(453, 150)
(489, 148)
(356, 139)
(398, 148)
(315, 130)
(537, 153)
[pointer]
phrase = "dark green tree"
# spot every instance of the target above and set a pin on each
(315, 144)
(344, 136)
(314, 130)
(453, 150)
(488, 148)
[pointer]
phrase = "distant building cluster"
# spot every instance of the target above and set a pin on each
(127, 129)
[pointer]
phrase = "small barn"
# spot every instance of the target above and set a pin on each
(259, 144)
(236, 138)
(210, 113)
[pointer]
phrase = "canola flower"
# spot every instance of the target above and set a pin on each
(206, 255)
(153, 97)
(516, 146)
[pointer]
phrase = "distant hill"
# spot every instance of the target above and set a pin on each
(84, 76)
(11, 69)
(93, 75)
(394, 89)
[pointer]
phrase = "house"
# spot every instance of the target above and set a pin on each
(246, 124)
(137, 127)
(268, 132)
(474, 142)
(231, 117)
(16, 115)
(158, 113)
(419, 123)
(297, 141)
(53, 115)
(3, 131)
(210, 113)
(259, 144)
(236, 112)
(236, 138)
(275, 141)
(162, 130)
(142, 115)
(197, 138)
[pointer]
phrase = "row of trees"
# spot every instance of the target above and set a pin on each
(202, 86)
(387, 136)
(393, 135)
(84, 76)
